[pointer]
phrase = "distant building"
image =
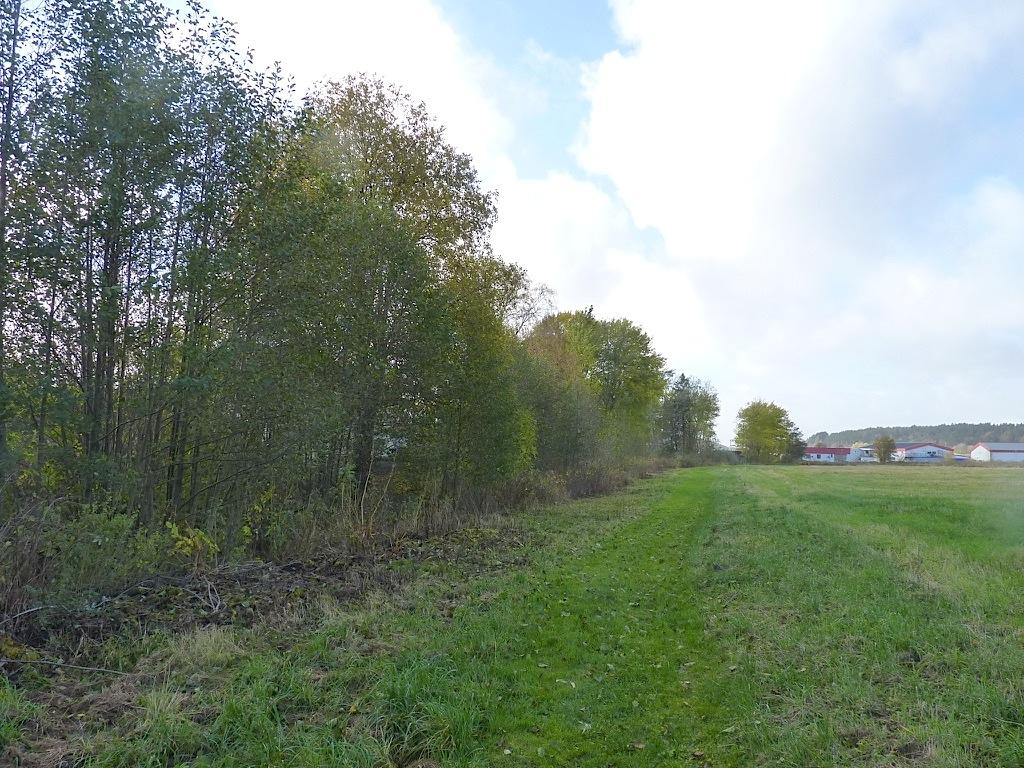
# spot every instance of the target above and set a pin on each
(998, 452)
(821, 455)
(922, 453)
(867, 453)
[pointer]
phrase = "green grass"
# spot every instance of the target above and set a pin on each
(735, 616)
(15, 713)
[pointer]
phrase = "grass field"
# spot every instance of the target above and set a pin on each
(734, 616)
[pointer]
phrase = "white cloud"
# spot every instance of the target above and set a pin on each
(575, 237)
(408, 42)
(804, 162)
(561, 229)
(941, 61)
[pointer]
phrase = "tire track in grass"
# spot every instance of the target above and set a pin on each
(613, 666)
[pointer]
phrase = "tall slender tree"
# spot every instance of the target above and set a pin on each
(10, 40)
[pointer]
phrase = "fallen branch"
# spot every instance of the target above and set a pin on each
(62, 664)
(26, 612)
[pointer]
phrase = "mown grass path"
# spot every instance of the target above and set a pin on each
(613, 665)
(734, 616)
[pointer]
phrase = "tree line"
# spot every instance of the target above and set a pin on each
(961, 434)
(234, 314)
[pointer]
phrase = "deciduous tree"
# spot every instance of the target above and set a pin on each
(687, 416)
(885, 447)
(766, 434)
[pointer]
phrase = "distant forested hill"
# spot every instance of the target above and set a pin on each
(948, 434)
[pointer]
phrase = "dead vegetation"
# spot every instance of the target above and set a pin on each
(55, 654)
(241, 594)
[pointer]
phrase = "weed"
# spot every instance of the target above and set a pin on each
(15, 713)
(203, 650)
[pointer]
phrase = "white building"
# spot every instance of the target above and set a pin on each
(922, 453)
(821, 455)
(863, 454)
(998, 452)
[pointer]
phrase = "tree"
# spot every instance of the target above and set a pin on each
(126, 147)
(553, 382)
(687, 417)
(885, 447)
(766, 434)
(795, 445)
(616, 361)
(387, 149)
(340, 335)
(10, 48)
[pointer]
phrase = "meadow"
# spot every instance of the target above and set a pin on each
(725, 616)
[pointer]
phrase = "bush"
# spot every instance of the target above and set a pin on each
(594, 479)
(102, 550)
(533, 487)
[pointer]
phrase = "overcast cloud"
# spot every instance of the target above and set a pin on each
(817, 203)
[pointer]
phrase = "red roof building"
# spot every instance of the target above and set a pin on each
(825, 455)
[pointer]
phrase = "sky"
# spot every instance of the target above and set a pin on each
(811, 202)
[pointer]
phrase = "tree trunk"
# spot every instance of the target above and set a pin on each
(88, 347)
(362, 455)
(48, 376)
(6, 151)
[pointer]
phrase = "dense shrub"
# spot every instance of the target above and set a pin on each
(100, 550)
